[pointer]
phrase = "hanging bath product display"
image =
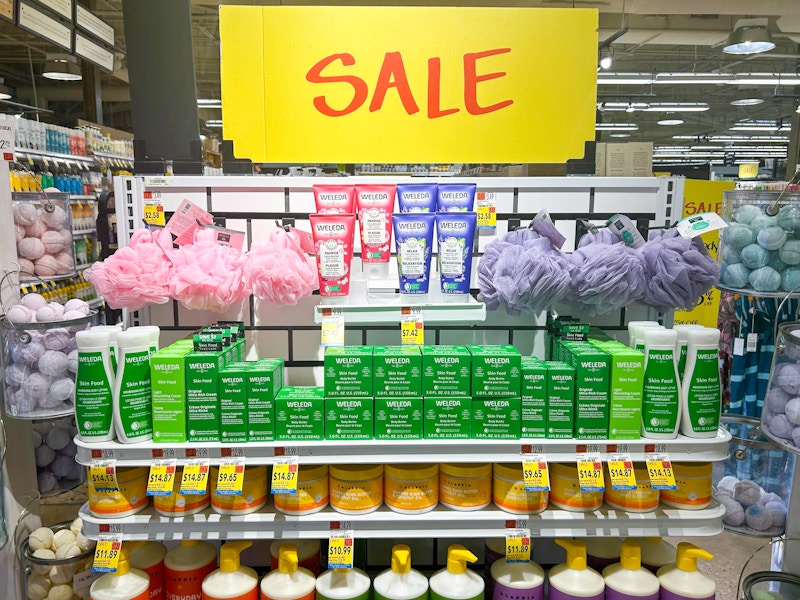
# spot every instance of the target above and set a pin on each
(780, 417)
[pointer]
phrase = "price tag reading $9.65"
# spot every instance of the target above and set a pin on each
(340, 549)
(162, 477)
(535, 473)
(659, 469)
(620, 470)
(107, 553)
(518, 545)
(284, 475)
(231, 477)
(103, 475)
(590, 474)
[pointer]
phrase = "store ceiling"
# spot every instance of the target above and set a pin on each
(678, 36)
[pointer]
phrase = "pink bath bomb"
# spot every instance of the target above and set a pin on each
(30, 248)
(54, 363)
(77, 304)
(58, 308)
(46, 314)
(53, 242)
(26, 267)
(71, 315)
(65, 263)
(66, 235)
(33, 301)
(55, 219)
(57, 339)
(24, 214)
(19, 314)
(35, 229)
(46, 266)
(19, 232)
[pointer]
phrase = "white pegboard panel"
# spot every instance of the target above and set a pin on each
(301, 201)
(626, 201)
(246, 200)
(554, 200)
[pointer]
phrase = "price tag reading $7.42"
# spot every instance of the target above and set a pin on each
(412, 327)
(231, 477)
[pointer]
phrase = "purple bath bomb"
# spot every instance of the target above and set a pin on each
(789, 378)
(54, 363)
(73, 361)
(58, 308)
(778, 512)
(734, 513)
(33, 301)
(71, 315)
(62, 390)
(757, 517)
(57, 339)
(780, 427)
(776, 400)
(25, 354)
(46, 314)
(37, 385)
(19, 314)
(16, 374)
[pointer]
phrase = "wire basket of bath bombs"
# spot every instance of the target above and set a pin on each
(780, 416)
(43, 233)
(759, 251)
(57, 562)
(56, 468)
(39, 356)
(754, 482)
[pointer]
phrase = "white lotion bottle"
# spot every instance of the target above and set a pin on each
(132, 392)
(573, 580)
(231, 580)
(683, 343)
(661, 394)
(125, 583)
(400, 582)
(627, 579)
(701, 392)
(94, 387)
(682, 580)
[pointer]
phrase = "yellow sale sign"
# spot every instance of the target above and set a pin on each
(408, 84)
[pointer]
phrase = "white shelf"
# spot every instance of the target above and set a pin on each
(55, 156)
(383, 523)
(77, 197)
(682, 449)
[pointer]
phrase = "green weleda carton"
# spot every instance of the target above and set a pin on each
(496, 418)
(168, 381)
(348, 371)
(348, 418)
(591, 390)
(496, 371)
(448, 417)
(299, 414)
(560, 400)
(264, 381)
(398, 418)
(446, 371)
(233, 403)
(202, 395)
(397, 371)
(625, 387)
(534, 398)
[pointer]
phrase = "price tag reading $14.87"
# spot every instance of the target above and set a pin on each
(620, 470)
(284, 475)
(194, 480)
(590, 473)
(162, 477)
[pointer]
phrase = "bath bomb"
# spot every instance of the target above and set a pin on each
(795, 438)
(757, 517)
(37, 384)
(33, 301)
(737, 276)
(26, 266)
(738, 236)
(734, 513)
(793, 411)
(41, 538)
(780, 427)
(63, 537)
(30, 248)
(25, 214)
(38, 440)
(35, 229)
(76, 526)
(68, 550)
(73, 361)
(61, 574)
(768, 497)
(765, 279)
(46, 266)
(754, 256)
(62, 390)
(38, 587)
(47, 402)
(85, 543)
(25, 354)
(65, 467)
(790, 278)
(43, 554)
(54, 363)
(77, 304)
(58, 308)
(19, 314)
(789, 217)
(57, 218)
(71, 315)
(762, 221)
(66, 264)
(57, 339)
(57, 439)
(775, 261)
(15, 375)
(727, 483)
(54, 242)
(24, 404)
(747, 493)
(746, 213)
(770, 238)
(60, 592)
(70, 449)
(778, 512)
(44, 456)
(19, 233)
(788, 378)
(730, 255)
(46, 314)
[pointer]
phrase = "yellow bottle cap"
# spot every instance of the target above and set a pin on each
(458, 557)
(688, 555)
(630, 556)
(654, 539)
(124, 564)
(401, 559)
(287, 558)
(229, 555)
(189, 543)
(576, 553)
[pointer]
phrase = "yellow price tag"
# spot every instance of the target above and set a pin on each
(340, 550)
(518, 545)
(535, 473)
(162, 477)
(487, 211)
(412, 328)
(103, 475)
(284, 476)
(332, 327)
(620, 470)
(659, 469)
(107, 553)
(231, 477)
(194, 479)
(154, 214)
(590, 475)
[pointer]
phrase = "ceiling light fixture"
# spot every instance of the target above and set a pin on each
(209, 103)
(616, 127)
(62, 67)
(214, 123)
(606, 58)
(670, 122)
(747, 98)
(693, 78)
(624, 78)
(678, 107)
(749, 40)
(5, 92)
(619, 135)
(753, 127)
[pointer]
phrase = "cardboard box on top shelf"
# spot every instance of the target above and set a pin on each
(600, 159)
(633, 159)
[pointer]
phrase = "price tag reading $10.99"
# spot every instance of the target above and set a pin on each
(340, 549)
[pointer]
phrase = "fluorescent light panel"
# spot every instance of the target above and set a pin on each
(698, 78)
(616, 127)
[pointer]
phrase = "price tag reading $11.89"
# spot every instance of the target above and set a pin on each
(518, 545)
(107, 553)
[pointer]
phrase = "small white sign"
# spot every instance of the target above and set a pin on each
(699, 224)
(8, 134)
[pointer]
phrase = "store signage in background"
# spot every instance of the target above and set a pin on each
(62, 8)
(38, 23)
(748, 170)
(699, 197)
(408, 84)
(94, 25)
(7, 9)
(94, 53)
(8, 132)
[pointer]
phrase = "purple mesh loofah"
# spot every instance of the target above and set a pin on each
(678, 271)
(600, 236)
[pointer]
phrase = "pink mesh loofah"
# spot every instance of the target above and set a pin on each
(279, 271)
(208, 276)
(138, 275)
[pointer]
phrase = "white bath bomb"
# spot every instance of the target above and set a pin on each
(63, 537)
(44, 456)
(44, 554)
(24, 404)
(35, 229)
(33, 301)
(53, 242)
(66, 264)
(57, 339)
(15, 375)
(85, 543)
(55, 219)
(37, 385)
(76, 526)
(77, 304)
(62, 390)
(73, 361)
(60, 592)
(41, 539)
(61, 574)
(53, 363)
(19, 233)
(747, 493)
(71, 315)
(19, 314)
(46, 314)
(780, 427)
(57, 438)
(757, 517)
(25, 214)
(778, 512)
(37, 439)
(26, 354)
(734, 513)
(68, 550)
(47, 402)
(58, 308)
(38, 586)
(30, 248)
(789, 378)
(793, 411)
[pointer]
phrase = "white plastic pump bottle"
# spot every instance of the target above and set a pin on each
(682, 580)
(457, 582)
(288, 582)
(231, 581)
(573, 580)
(627, 579)
(125, 583)
(401, 582)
